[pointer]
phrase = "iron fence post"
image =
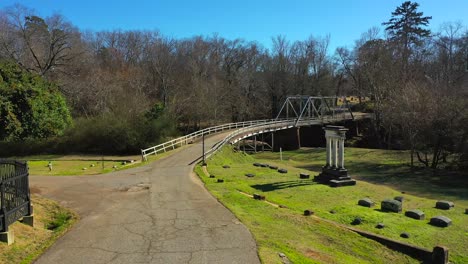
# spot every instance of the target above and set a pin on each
(3, 208)
(28, 194)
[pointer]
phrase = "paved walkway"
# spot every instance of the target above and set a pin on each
(158, 213)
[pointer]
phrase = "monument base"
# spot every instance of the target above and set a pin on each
(334, 177)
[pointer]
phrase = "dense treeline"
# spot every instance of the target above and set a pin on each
(143, 84)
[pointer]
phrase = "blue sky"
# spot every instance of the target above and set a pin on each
(254, 20)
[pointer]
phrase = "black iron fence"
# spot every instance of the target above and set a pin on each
(15, 200)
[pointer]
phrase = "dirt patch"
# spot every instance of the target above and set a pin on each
(318, 256)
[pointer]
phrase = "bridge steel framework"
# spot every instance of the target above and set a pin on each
(296, 111)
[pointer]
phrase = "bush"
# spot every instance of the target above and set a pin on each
(104, 134)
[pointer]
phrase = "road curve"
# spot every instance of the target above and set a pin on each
(158, 213)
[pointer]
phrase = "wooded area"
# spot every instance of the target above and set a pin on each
(128, 89)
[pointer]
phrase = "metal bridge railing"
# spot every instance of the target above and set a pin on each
(324, 113)
(184, 140)
(15, 200)
(272, 126)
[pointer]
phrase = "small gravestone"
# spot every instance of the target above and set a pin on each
(308, 212)
(264, 165)
(366, 202)
(273, 167)
(304, 176)
(357, 221)
(332, 212)
(92, 165)
(404, 235)
(415, 214)
(444, 205)
(440, 221)
(84, 168)
(390, 205)
(124, 162)
(212, 176)
(399, 198)
(466, 211)
(380, 226)
(282, 170)
(226, 167)
(114, 167)
(257, 196)
(250, 175)
(220, 180)
(256, 164)
(282, 206)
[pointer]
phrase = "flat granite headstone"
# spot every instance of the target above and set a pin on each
(273, 167)
(415, 214)
(250, 175)
(308, 212)
(357, 221)
(466, 211)
(380, 226)
(440, 221)
(258, 196)
(404, 235)
(444, 205)
(390, 205)
(282, 170)
(220, 180)
(366, 202)
(304, 176)
(399, 198)
(256, 164)
(264, 165)
(226, 167)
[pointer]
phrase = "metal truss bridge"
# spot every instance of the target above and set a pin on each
(296, 111)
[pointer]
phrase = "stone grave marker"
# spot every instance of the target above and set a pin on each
(444, 205)
(357, 221)
(366, 202)
(440, 221)
(390, 205)
(415, 214)
(380, 226)
(257, 196)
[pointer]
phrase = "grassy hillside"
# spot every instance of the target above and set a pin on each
(309, 240)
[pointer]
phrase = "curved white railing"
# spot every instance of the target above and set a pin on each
(187, 139)
(260, 126)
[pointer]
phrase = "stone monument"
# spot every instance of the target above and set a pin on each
(334, 172)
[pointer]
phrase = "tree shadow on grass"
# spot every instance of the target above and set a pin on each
(268, 187)
(424, 181)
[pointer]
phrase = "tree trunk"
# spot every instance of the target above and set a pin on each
(425, 162)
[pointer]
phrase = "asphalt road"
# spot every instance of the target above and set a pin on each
(158, 213)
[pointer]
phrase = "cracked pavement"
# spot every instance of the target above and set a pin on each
(156, 213)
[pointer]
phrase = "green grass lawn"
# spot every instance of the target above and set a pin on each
(308, 240)
(51, 221)
(74, 165)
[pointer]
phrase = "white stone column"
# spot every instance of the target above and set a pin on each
(333, 149)
(341, 154)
